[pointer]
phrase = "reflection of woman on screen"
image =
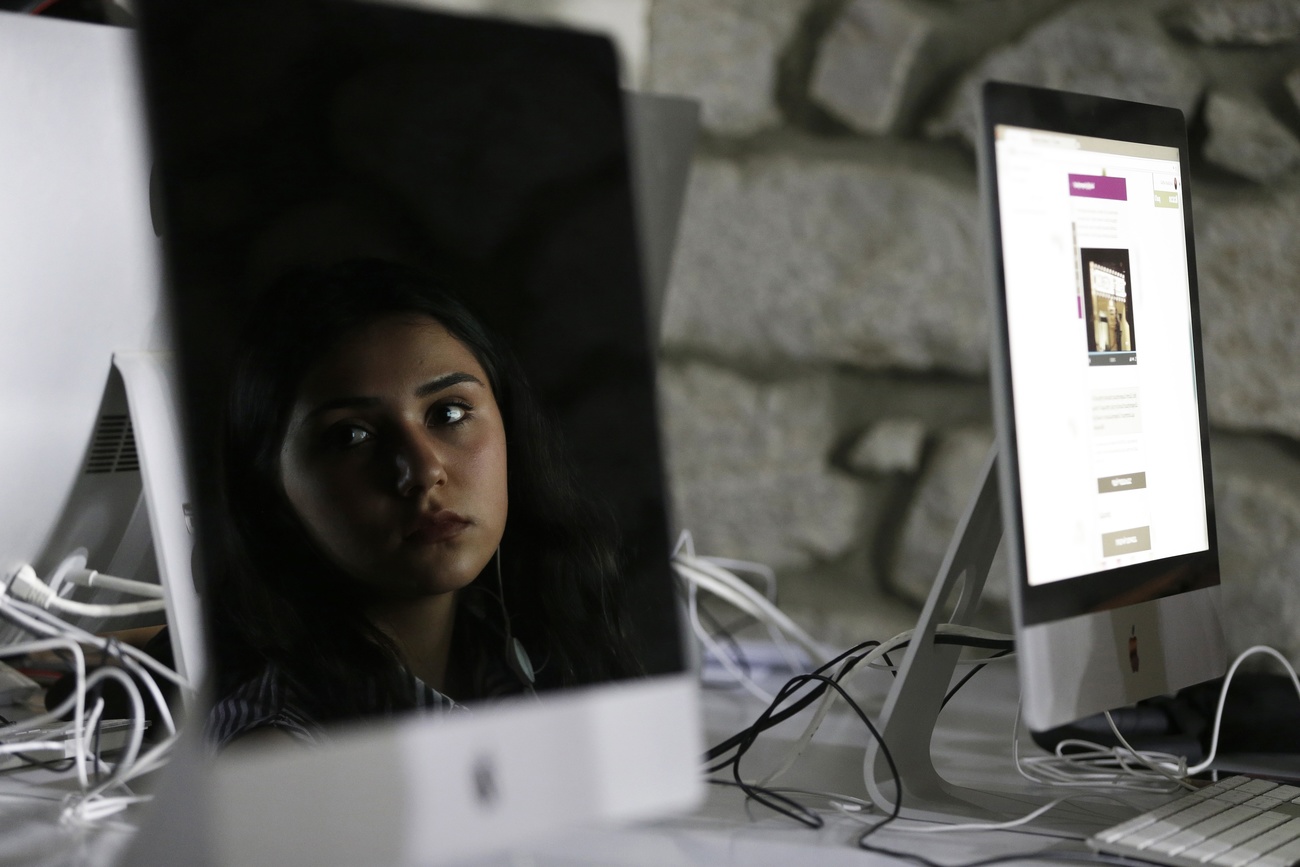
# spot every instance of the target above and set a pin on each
(398, 530)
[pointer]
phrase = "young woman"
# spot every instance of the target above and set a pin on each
(398, 528)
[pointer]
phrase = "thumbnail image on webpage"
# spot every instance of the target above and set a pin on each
(1108, 306)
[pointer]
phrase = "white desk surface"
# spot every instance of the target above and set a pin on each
(32, 834)
(973, 747)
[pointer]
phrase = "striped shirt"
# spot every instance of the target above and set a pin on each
(272, 700)
(269, 700)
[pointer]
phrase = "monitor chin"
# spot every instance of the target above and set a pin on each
(1090, 663)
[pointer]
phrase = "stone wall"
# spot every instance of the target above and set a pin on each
(824, 377)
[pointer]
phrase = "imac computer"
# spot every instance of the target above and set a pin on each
(1099, 485)
(1101, 410)
(300, 138)
(91, 460)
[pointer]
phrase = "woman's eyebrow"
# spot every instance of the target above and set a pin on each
(342, 403)
(447, 380)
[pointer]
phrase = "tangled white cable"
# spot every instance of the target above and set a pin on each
(26, 586)
(708, 573)
(1084, 763)
(26, 601)
(1077, 763)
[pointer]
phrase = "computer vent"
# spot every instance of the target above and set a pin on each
(113, 449)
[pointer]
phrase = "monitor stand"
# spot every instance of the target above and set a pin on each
(912, 707)
(151, 391)
(911, 710)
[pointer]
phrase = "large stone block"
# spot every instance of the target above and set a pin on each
(1102, 47)
(1237, 22)
(829, 260)
(724, 53)
(882, 61)
(1245, 138)
(892, 446)
(1247, 264)
(895, 402)
(749, 468)
(1257, 495)
(872, 63)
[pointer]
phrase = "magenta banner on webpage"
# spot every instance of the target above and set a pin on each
(1098, 187)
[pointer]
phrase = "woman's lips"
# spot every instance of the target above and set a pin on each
(437, 527)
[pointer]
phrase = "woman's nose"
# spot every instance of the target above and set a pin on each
(419, 465)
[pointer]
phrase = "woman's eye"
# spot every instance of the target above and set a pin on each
(448, 414)
(346, 436)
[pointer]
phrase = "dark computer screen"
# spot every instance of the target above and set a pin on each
(304, 140)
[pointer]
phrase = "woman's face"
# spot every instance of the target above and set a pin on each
(395, 458)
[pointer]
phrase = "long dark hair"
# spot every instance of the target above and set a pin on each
(277, 599)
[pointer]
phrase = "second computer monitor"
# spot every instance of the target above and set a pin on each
(1100, 401)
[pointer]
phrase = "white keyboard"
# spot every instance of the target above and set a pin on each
(1232, 823)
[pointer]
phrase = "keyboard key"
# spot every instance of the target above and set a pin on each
(1234, 836)
(1225, 785)
(1263, 802)
(1202, 831)
(1253, 848)
(1179, 821)
(1139, 822)
(1283, 856)
(1236, 822)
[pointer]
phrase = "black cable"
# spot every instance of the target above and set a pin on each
(56, 765)
(1007, 644)
(778, 718)
(765, 796)
(99, 729)
(974, 671)
(771, 716)
(1003, 645)
(795, 810)
(898, 786)
(720, 631)
(756, 728)
(800, 813)
(777, 802)
(32, 760)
